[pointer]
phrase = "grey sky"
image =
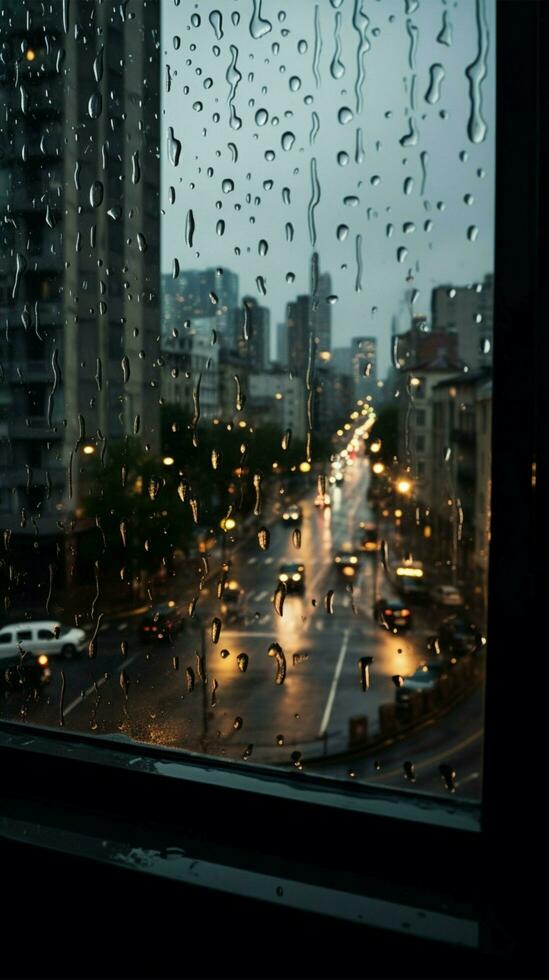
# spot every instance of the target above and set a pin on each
(443, 254)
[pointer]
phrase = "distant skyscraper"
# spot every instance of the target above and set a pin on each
(364, 363)
(256, 349)
(467, 311)
(210, 292)
(282, 344)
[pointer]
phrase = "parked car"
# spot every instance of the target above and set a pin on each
(232, 602)
(162, 622)
(392, 614)
(292, 515)
(347, 563)
(457, 636)
(48, 637)
(292, 575)
(423, 679)
(446, 595)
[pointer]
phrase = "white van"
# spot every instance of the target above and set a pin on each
(47, 637)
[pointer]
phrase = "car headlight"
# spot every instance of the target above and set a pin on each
(348, 570)
(286, 517)
(296, 577)
(43, 660)
(354, 560)
(283, 577)
(295, 517)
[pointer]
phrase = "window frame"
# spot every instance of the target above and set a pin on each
(59, 780)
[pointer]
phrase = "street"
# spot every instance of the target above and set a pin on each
(157, 693)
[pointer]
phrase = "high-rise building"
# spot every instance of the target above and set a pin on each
(364, 365)
(467, 312)
(254, 340)
(79, 179)
(210, 292)
(282, 344)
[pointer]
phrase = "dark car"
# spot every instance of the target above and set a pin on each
(232, 602)
(423, 679)
(293, 576)
(457, 636)
(393, 614)
(347, 564)
(368, 538)
(162, 622)
(25, 671)
(292, 515)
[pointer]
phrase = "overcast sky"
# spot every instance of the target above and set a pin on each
(291, 81)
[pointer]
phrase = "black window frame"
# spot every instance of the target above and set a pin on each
(479, 864)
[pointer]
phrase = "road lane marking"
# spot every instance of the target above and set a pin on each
(252, 560)
(330, 702)
(93, 687)
(261, 596)
(269, 560)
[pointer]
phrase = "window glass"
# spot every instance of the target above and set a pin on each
(45, 635)
(6, 637)
(246, 287)
(23, 635)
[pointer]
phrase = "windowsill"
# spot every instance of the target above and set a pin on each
(371, 856)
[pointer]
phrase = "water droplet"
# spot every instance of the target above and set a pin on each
(343, 158)
(472, 233)
(216, 629)
(264, 538)
(189, 228)
(332, 298)
(364, 664)
(445, 34)
(287, 141)
(136, 168)
(295, 83)
(220, 227)
(280, 740)
(216, 20)
(224, 653)
(342, 232)
(397, 680)
(279, 598)
(95, 105)
(227, 185)
(468, 199)
(436, 77)
(174, 147)
(195, 20)
(275, 650)
(261, 117)
(410, 771)
(302, 46)
(237, 723)
(198, 106)
(270, 155)
(96, 193)
(262, 247)
(401, 253)
(242, 661)
(344, 115)
(351, 201)
(408, 185)
(476, 73)
(258, 26)
(247, 751)
(329, 602)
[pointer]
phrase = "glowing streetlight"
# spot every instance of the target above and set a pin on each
(375, 446)
(227, 524)
(168, 460)
(30, 55)
(305, 467)
(378, 468)
(88, 450)
(404, 486)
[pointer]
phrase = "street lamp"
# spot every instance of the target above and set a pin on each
(378, 468)
(404, 485)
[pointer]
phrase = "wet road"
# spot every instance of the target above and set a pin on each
(248, 713)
